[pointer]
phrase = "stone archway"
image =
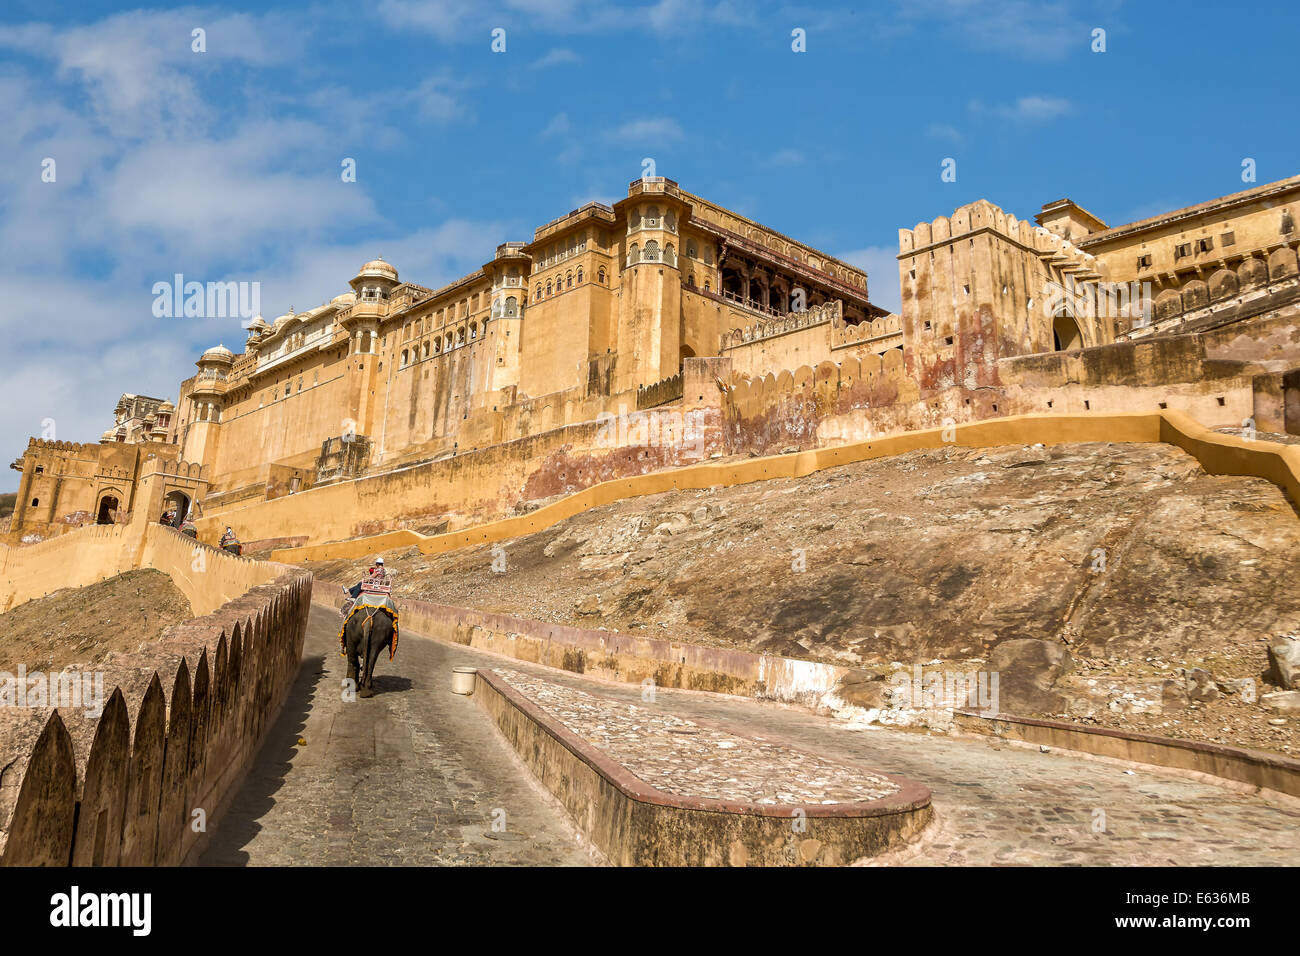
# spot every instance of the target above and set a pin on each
(1066, 334)
(179, 502)
(107, 511)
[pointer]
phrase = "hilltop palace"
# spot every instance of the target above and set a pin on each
(395, 405)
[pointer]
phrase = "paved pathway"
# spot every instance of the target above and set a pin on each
(414, 774)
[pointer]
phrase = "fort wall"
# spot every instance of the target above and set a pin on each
(479, 485)
(181, 721)
(1217, 453)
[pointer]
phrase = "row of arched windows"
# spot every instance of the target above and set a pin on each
(439, 344)
(651, 220)
(574, 277)
(651, 253)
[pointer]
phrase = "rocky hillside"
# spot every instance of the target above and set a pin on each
(82, 625)
(1131, 559)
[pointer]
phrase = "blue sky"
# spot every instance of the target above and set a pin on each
(225, 164)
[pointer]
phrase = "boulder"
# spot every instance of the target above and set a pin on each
(1284, 658)
(863, 689)
(1027, 670)
(1173, 695)
(1282, 702)
(1201, 686)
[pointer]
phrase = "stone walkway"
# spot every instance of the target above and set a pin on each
(415, 774)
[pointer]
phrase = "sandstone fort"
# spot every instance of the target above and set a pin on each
(393, 405)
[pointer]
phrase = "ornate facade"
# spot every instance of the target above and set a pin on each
(601, 312)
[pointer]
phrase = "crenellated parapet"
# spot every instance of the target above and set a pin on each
(885, 332)
(824, 314)
(176, 469)
(659, 393)
(982, 217)
(45, 444)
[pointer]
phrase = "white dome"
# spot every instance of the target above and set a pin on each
(218, 353)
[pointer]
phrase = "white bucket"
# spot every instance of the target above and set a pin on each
(462, 679)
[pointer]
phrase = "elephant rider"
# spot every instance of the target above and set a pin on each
(229, 542)
(380, 575)
(377, 575)
(189, 529)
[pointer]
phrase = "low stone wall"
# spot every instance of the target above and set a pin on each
(143, 782)
(613, 656)
(1251, 767)
(1217, 453)
(635, 824)
(208, 577)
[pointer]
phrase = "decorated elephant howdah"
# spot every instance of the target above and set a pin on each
(369, 626)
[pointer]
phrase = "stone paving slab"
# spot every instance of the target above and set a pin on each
(683, 757)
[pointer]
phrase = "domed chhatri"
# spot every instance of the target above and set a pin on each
(378, 269)
(218, 353)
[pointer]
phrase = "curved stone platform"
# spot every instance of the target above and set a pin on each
(649, 788)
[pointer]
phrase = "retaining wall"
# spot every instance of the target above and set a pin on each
(1217, 454)
(635, 824)
(1252, 767)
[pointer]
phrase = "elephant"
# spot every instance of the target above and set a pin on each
(368, 632)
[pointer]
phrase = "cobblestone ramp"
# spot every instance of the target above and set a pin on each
(653, 789)
(418, 775)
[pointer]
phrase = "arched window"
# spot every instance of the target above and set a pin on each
(670, 220)
(568, 280)
(600, 275)
(706, 285)
(670, 255)
(473, 331)
(548, 288)
(538, 294)
(460, 336)
(579, 275)
(691, 251)
(652, 217)
(426, 349)
(690, 280)
(633, 254)
(405, 357)
(634, 220)
(651, 252)
(511, 305)
(437, 344)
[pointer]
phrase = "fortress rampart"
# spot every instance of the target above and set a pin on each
(181, 719)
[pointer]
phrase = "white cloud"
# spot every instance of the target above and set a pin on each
(787, 157)
(1026, 109)
(558, 126)
(1029, 29)
(556, 57)
(435, 98)
(154, 179)
(656, 129)
(945, 131)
